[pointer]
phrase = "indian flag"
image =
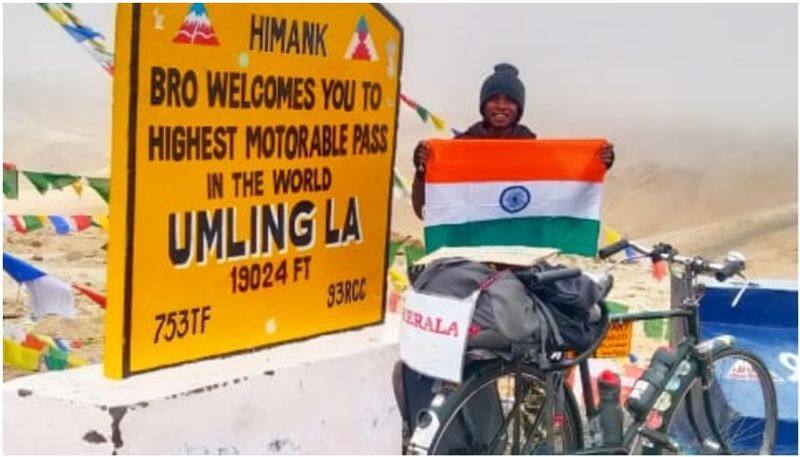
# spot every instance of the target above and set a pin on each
(543, 193)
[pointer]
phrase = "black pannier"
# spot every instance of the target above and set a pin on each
(536, 319)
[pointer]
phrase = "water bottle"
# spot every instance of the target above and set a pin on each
(610, 412)
(652, 380)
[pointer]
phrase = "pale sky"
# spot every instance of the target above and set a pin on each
(669, 83)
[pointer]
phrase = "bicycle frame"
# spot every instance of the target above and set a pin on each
(689, 313)
(693, 361)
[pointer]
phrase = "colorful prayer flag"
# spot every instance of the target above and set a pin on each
(39, 180)
(75, 361)
(101, 220)
(10, 181)
(32, 223)
(93, 42)
(654, 328)
(61, 224)
(59, 181)
(401, 183)
(81, 222)
(437, 122)
(61, 344)
(48, 295)
(44, 181)
(17, 356)
(18, 224)
(408, 101)
(543, 193)
(13, 332)
(31, 341)
(423, 112)
(611, 236)
(413, 253)
(56, 359)
(100, 185)
(78, 186)
(616, 307)
(93, 295)
(394, 246)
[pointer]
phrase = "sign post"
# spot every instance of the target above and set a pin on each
(253, 147)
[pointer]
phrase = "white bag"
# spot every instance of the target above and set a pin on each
(433, 333)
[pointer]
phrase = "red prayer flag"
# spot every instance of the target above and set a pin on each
(82, 222)
(93, 295)
(17, 223)
(33, 342)
(408, 101)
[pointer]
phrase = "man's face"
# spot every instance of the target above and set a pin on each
(500, 111)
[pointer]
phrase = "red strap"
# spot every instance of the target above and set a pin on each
(489, 281)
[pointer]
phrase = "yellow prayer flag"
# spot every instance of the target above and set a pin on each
(78, 186)
(18, 356)
(75, 361)
(47, 340)
(102, 221)
(611, 236)
(44, 219)
(57, 15)
(397, 280)
(437, 122)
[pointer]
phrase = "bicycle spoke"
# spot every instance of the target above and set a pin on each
(737, 429)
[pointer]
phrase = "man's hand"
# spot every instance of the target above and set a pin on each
(421, 154)
(607, 155)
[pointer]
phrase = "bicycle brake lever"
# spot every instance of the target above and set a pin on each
(741, 291)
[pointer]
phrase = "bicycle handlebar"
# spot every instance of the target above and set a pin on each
(612, 249)
(733, 265)
(731, 268)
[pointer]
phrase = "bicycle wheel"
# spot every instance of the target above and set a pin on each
(741, 402)
(498, 411)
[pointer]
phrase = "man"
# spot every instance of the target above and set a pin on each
(502, 100)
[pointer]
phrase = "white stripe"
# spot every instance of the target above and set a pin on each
(457, 203)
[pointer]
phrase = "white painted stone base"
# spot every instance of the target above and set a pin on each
(331, 394)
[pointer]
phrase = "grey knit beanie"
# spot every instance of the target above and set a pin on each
(504, 80)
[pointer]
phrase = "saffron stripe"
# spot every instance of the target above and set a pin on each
(514, 160)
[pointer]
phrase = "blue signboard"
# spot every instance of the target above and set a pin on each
(765, 322)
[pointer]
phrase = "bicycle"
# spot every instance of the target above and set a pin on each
(689, 412)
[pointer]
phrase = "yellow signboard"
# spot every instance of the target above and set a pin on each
(617, 342)
(252, 160)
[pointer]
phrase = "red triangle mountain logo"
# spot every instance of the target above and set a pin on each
(196, 28)
(361, 46)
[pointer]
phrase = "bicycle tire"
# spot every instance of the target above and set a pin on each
(687, 423)
(494, 374)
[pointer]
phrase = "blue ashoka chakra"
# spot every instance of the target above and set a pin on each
(514, 199)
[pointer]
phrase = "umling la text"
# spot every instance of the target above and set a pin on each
(194, 236)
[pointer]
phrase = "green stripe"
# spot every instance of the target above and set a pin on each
(570, 235)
